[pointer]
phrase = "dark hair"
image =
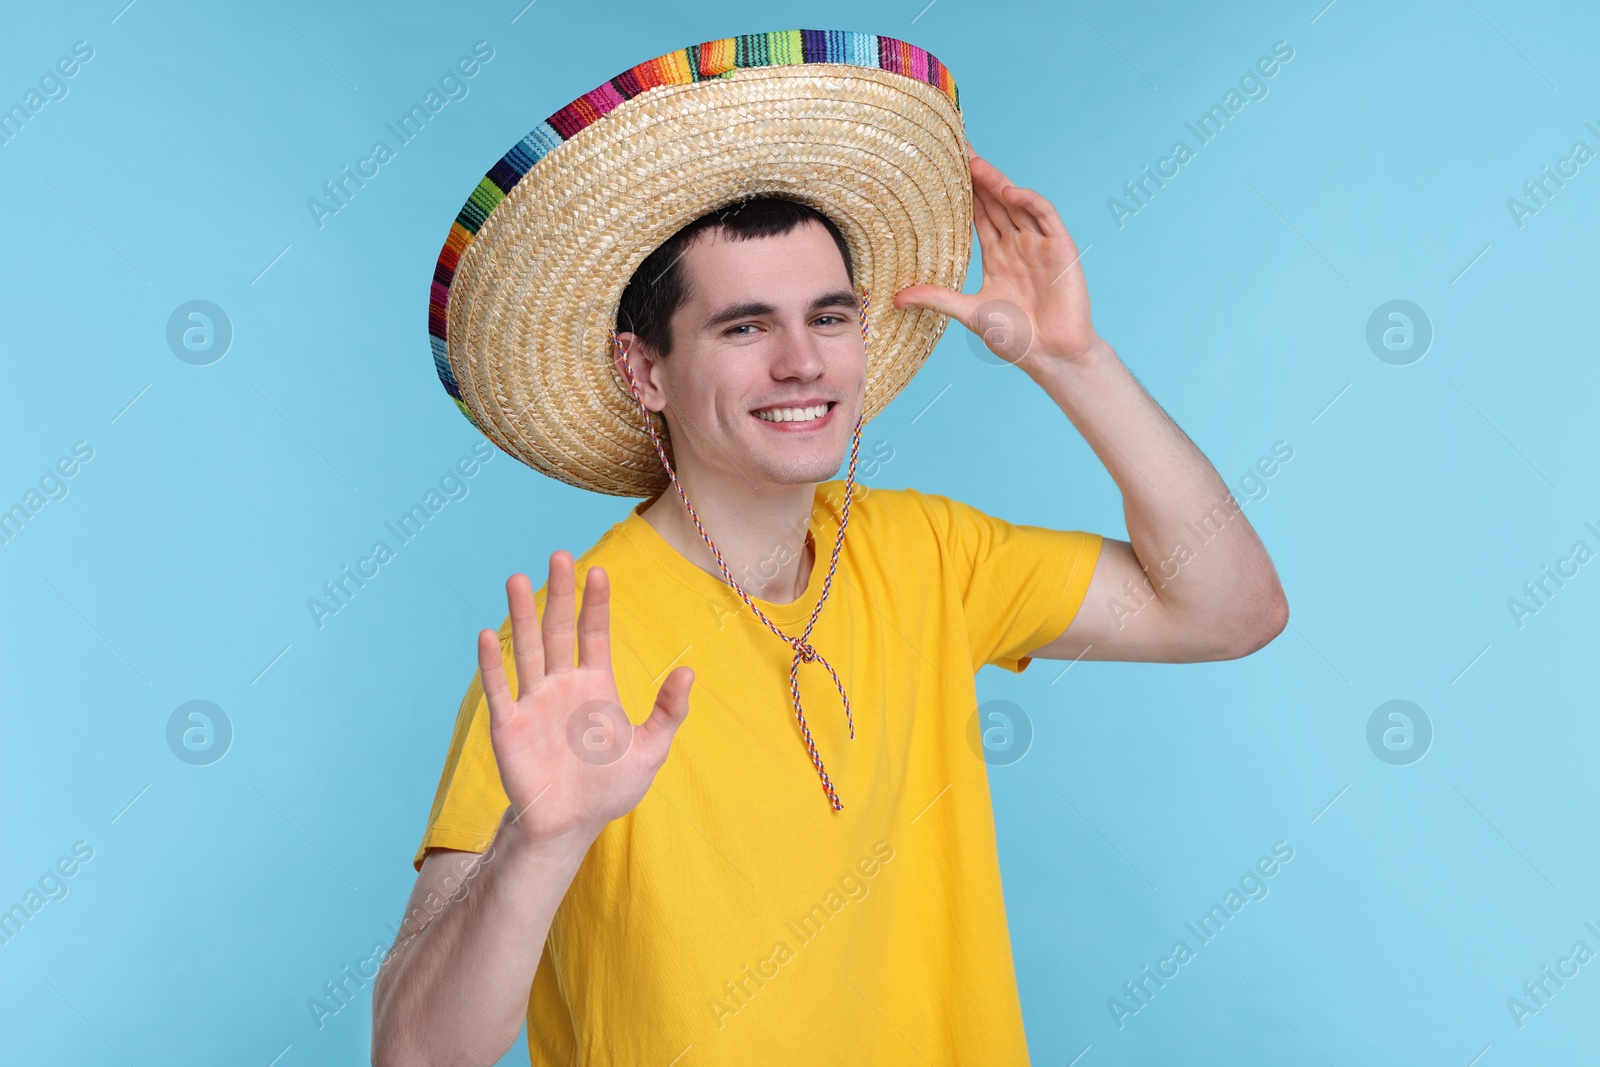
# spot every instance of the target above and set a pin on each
(658, 288)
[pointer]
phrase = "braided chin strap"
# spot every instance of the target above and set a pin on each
(803, 651)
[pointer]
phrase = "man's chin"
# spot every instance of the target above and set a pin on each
(803, 472)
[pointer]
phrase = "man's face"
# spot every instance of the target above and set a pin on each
(770, 325)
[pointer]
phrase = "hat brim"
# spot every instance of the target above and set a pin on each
(536, 290)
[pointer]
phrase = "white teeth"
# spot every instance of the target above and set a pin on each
(793, 414)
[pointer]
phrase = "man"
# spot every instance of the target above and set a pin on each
(647, 886)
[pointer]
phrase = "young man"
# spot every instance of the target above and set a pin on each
(804, 870)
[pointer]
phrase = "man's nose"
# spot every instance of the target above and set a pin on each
(798, 356)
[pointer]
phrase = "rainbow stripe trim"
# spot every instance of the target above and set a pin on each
(698, 62)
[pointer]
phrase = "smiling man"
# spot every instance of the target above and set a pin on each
(803, 870)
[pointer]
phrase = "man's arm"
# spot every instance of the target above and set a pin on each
(1194, 581)
(454, 985)
(1183, 599)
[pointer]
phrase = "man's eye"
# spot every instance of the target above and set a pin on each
(824, 320)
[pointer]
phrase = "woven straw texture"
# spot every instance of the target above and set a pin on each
(527, 289)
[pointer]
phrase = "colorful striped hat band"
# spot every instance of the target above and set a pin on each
(865, 129)
(802, 647)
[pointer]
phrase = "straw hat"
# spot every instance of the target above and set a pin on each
(866, 129)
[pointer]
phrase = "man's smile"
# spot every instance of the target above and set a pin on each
(798, 418)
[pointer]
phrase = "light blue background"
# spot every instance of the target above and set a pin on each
(179, 564)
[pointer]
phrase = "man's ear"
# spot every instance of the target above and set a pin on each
(634, 353)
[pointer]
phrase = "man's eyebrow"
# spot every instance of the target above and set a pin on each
(838, 298)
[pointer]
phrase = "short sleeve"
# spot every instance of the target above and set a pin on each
(470, 802)
(1020, 586)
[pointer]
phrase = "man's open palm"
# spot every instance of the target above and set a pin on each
(570, 760)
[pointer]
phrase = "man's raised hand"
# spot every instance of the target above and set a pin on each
(570, 760)
(1032, 308)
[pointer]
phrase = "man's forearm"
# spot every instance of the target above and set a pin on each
(1169, 489)
(454, 987)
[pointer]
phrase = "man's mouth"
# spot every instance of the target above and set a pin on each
(807, 415)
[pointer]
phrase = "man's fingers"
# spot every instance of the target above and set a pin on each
(986, 183)
(1014, 197)
(671, 708)
(527, 648)
(594, 622)
(999, 202)
(1000, 206)
(988, 226)
(958, 306)
(988, 232)
(492, 671)
(559, 603)
(1040, 210)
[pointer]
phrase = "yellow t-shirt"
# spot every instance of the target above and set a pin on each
(734, 917)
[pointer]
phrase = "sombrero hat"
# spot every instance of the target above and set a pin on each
(866, 129)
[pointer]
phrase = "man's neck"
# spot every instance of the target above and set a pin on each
(764, 539)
